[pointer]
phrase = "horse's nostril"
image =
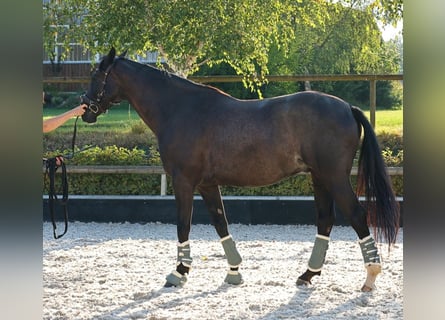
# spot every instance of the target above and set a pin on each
(88, 118)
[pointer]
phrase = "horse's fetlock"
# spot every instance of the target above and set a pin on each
(182, 269)
(305, 278)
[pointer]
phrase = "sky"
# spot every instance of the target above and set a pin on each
(389, 32)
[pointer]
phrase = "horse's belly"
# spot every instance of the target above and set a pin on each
(256, 173)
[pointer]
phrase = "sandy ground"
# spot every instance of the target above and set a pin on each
(117, 271)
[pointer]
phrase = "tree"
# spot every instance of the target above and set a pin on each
(343, 39)
(191, 33)
(187, 33)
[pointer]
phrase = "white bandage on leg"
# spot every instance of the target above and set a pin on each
(233, 257)
(369, 251)
(318, 255)
(176, 279)
(184, 256)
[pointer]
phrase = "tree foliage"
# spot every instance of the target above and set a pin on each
(240, 33)
(342, 39)
(187, 33)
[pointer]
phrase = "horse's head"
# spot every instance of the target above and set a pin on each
(103, 90)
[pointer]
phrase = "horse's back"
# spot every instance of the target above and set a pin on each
(260, 142)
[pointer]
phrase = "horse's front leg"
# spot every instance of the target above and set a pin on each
(184, 205)
(212, 198)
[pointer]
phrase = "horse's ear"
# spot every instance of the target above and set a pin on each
(111, 54)
(122, 55)
(108, 59)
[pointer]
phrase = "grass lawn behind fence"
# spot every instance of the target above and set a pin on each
(119, 119)
(125, 119)
(390, 121)
(122, 127)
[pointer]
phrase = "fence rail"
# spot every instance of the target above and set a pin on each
(270, 78)
(372, 78)
(111, 169)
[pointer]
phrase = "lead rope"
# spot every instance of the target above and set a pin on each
(50, 172)
(51, 168)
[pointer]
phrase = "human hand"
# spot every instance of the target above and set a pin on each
(79, 110)
(59, 160)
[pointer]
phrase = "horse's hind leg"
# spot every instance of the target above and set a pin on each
(184, 204)
(348, 203)
(325, 220)
(213, 201)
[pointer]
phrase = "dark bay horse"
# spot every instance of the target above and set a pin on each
(208, 138)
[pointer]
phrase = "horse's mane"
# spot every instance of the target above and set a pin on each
(171, 77)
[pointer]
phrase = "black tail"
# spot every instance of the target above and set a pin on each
(381, 205)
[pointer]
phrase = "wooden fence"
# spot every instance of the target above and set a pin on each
(111, 169)
(372, 78)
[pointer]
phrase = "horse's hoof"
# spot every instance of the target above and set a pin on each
(365, 288)
(169, 285)
(305, 278)
(301, 282)
(175, 279)
(234, 277)
(372, 271)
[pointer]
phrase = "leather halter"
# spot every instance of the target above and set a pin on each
(94, 105)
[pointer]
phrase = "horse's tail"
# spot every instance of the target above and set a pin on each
(381, 206)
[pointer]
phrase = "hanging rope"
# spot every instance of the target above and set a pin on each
(51, 167)
(52, 164)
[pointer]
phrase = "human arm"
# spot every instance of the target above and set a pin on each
(55, 122)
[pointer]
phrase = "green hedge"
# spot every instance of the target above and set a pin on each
(149, 184)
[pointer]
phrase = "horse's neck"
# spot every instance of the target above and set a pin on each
(148, 91)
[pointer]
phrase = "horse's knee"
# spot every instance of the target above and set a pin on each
(219, 221)
(221, 228)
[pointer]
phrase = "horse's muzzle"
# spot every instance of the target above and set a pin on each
(90, 115)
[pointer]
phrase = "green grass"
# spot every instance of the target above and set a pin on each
(123, 119)
(390, 121)
(119, 119)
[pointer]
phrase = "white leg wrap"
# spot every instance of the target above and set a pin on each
(369, 251)
(176, 279)
(372, 262)
(233, 257)
(318, 255)
(184, 256)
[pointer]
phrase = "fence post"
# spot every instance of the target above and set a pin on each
(163, 184)
(372, 101)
